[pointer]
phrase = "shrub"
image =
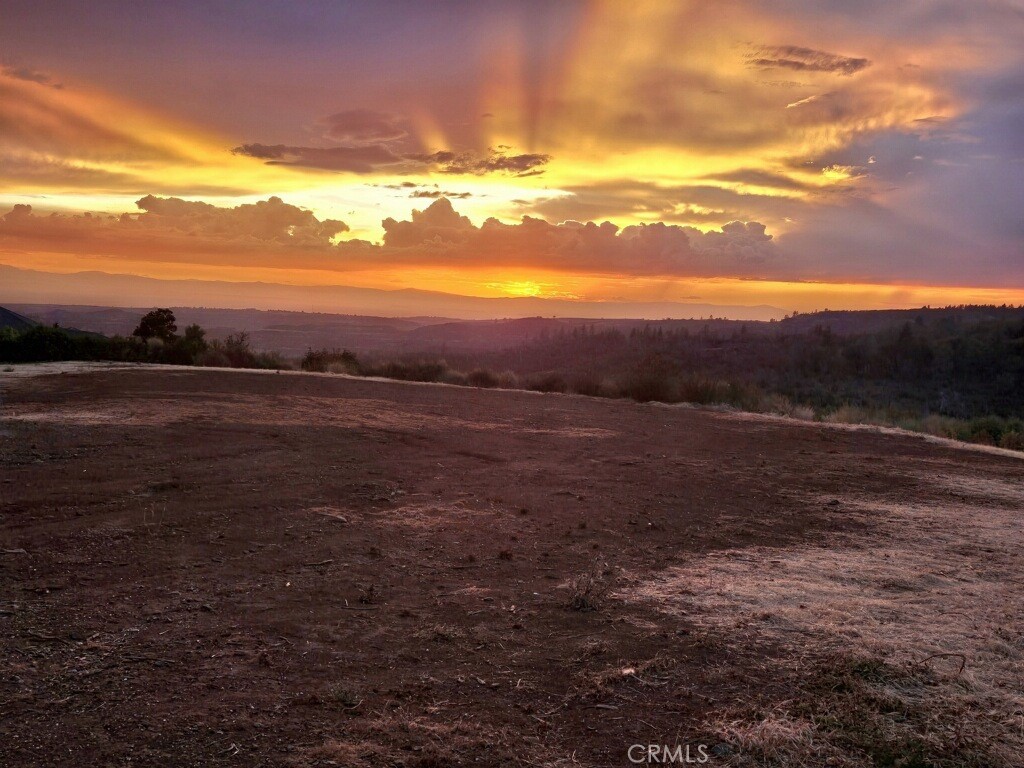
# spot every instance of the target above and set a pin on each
(586, 385)
(236, 348)
(187, 349)
(41, 343)
(268, 361)
(551, 382)
(345, 696)
(481, 377)
(37, 344)
(454, 377)
(214, 358)
(1012, 440)
(588, 590)
(701, 391)
(409, 371)
(647, 386)
(335, 361)
(783, 406)
(987, 429)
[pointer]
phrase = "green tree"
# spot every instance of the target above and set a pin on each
(194, 340)
(159, 323)
(188, 348)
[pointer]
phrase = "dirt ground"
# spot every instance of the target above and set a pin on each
(243, 568)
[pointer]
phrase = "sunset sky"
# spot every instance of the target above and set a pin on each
(801, 155)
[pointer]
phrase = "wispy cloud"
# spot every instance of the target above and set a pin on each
(806, 60)
(373, 158)
(31, 75)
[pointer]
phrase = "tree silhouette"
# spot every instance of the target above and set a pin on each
(159, 323)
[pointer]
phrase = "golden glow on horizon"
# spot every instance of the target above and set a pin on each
(651, 99)
(518, 288)
(616, 46)
(494, 283)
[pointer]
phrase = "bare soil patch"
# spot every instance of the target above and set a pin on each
(224, 568)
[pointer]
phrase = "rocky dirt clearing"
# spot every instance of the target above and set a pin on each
(226, 568)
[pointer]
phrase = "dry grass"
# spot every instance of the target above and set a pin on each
(345, 696)
(860, 711)
(778, 738)
(651, 672)
(913, 635)
(399, 737)
(414, 517)
(589, 590)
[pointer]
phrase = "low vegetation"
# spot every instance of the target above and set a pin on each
(325, 361)
(951, 374)
(589, 590)
(155, 340)
(781, 594)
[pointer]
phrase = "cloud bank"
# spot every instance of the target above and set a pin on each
(875, 141)
(275, 232)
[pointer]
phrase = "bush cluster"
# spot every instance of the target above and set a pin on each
(155, 341)
(958, 380)
(330, 361)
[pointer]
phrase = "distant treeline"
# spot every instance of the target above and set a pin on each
(951, 373)
(155, 341)
(939, 373)
(961, 370)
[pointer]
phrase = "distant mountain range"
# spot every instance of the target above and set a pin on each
(23, 286)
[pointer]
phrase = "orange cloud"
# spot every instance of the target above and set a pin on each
(747, 139)
(77, 138)
(274, 233)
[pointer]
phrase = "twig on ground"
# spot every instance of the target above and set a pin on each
(962, 657)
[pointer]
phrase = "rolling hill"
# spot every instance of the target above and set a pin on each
(13, 320)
